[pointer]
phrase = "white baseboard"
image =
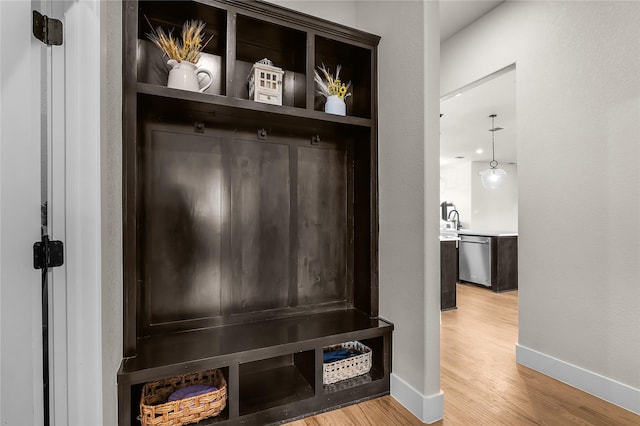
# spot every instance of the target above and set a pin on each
(603, 387)
(427, 408)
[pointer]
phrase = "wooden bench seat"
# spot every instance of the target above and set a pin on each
(283, 353)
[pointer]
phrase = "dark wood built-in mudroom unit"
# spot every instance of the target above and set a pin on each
(250, 230)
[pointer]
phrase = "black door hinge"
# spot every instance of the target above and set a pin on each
(47, 30)
(47, 253)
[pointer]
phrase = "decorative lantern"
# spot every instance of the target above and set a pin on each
(265, 82)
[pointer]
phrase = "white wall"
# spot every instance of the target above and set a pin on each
(340, 11)
(494, 209)
(83, 212)
(408, 172)
(409, 152)
(578, 103)
(455, 187)
(111, 201)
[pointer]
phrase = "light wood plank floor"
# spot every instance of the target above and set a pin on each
(481, 381)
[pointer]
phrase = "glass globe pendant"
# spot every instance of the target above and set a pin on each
(493, 177)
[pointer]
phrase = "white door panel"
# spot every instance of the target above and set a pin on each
(21, 94)
(32, 149)
(50, 116)
(57, 224)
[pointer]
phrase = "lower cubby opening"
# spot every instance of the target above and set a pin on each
(276, 381)
(377, 360)
(136, 392)
(376, 345)
(272, 368)
(136, 396)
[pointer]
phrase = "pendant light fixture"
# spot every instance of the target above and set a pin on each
(493, 177)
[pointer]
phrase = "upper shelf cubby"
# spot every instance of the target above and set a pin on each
(171, 15)
(356, 63)
(285, 47)
(244, 33)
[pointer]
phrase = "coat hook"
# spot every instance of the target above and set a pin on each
(315, 140)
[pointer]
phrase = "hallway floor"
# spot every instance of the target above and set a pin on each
(481, 381)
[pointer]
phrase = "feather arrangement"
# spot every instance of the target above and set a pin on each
(189, 48)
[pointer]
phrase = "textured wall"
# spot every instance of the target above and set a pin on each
(408, 168)
(340, 11)
(111, 193)
(578, 102)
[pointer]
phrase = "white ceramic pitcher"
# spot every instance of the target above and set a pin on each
(184, 75)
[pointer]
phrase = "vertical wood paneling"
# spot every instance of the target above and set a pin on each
(293, 226)
(322, 225)
(365, 283)
(233, 225)
(230, 60)
(182, 226)
(259, 223)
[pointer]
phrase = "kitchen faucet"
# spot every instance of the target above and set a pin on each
(456, 219)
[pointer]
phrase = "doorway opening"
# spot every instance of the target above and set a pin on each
(478, 133)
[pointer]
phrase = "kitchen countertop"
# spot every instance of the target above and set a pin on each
(487, 233)
(447, 238)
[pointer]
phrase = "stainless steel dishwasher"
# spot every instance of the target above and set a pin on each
(475, 259)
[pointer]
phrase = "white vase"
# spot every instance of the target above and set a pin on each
(184, 75)
(335, 105)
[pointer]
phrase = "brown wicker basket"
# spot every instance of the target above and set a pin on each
(156, 411)
(348, 368)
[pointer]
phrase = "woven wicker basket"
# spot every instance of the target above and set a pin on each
(358, 365)
(156, 411)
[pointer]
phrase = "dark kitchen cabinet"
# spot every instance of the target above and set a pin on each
(504, 263)
(448, 274)
(250, 230)
(489, 259)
